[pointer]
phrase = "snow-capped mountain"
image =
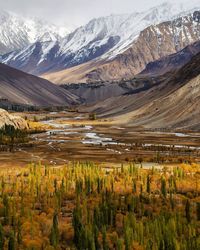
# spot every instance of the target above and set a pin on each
(17, 32)
(101, 39)
(153, 43)
(134, 24)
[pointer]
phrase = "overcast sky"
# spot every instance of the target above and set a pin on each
(76, 12)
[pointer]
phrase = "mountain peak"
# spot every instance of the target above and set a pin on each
(49, 37)
(17, 32)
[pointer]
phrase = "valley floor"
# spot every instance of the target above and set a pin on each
(69, 136)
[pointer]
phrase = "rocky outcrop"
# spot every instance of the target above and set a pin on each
(9, 119)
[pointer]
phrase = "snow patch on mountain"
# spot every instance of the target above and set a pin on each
(132, 26)
(17, 32)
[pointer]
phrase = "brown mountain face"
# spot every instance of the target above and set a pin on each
(154, 74)
(22, 88)
(171, 62)
(153, 43)
(172, 103)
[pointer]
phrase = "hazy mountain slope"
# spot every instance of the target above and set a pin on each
(17, 32)
(99, 41)
(179, 109)
(76, 74)
(171, 62)
(172, 103)
(20, 87)
(95, 92)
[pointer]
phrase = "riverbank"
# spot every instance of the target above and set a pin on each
(69, 136)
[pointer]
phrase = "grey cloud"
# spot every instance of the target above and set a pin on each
(75, 12)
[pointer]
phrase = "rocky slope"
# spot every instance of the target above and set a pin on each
(9, 119)
(104, 41)
(95, 92)
(173, 102)
(154, 74)
(153, 43)
(22, 88)
(172, 62)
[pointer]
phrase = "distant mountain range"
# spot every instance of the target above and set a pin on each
(17, 32)
(124, 42)
(153, 43)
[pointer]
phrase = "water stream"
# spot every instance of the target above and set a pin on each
(86, 134)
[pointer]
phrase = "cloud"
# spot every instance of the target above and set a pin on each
(75, 12)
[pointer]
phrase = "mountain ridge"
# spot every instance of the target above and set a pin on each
(17, 32)
(153, 43)
(22, 88)
(100, 40)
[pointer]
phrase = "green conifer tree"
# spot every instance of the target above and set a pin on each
(11, 241)
(188, 211)
(148, 184)
(198, 211)
(1, 237)
(54, 235)
(163, 187)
